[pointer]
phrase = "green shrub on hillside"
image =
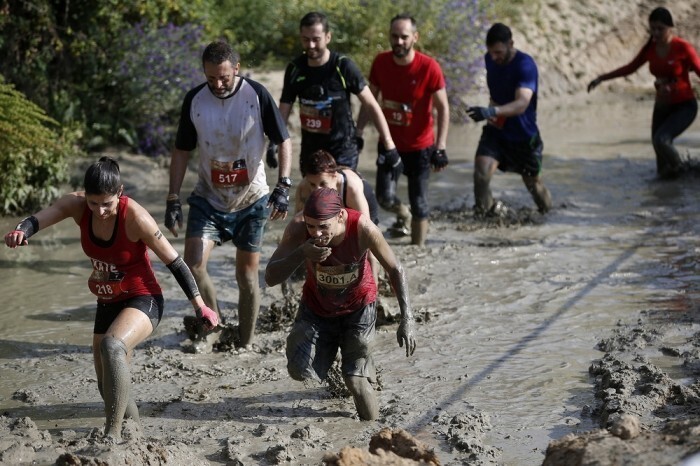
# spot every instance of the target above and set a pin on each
(33, 154)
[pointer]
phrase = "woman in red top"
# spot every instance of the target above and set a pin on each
(115, 232)
(670, 60)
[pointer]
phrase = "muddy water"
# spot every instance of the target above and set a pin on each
(514, 313)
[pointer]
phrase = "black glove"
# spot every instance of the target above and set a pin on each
(481, 113)
(173, 213)
(280, 198)
(360, 143)
(438, 159)
(271, 155)
(593, 84)
(388, 159)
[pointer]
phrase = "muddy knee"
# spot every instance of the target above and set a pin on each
(112, 348)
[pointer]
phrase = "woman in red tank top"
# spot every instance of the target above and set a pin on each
(115, 234)
(670, 61)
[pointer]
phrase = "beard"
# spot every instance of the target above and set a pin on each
(506, 58)
(222, 92)
(314, 54)
(399, 51)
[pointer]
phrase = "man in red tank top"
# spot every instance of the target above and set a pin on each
(338, 302)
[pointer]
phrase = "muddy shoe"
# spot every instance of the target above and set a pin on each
(498, 210)
(479, 212)
(229, 338)
(193, 327)
(398, 229)
(206, 344)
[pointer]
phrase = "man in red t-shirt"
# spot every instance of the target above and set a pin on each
(410, 84)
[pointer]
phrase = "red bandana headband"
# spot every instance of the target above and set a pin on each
(322, 204)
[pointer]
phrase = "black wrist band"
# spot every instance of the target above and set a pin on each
(28, 226)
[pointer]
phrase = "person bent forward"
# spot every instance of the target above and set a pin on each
(338, 302)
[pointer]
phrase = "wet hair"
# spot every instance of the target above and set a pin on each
(317, 163)
(312, 19)
(499, 32)
(103, 177)
(218, 52)
(661, 15)
(404, 16)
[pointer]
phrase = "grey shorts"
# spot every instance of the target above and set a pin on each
(313, 343)
(244, 228)
(151, 305)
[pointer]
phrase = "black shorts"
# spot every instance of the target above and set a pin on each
(151, 305)
(519, 157)
(417, 163)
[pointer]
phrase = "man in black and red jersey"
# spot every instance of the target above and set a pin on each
(324, 81)
(338, 302)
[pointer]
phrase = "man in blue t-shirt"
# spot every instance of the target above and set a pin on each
(510, 140)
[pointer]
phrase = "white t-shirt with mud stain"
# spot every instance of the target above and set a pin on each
(230, 135)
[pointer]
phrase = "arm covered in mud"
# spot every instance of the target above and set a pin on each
(293, 250)
(371, 238)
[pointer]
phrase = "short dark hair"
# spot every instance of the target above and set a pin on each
(661, 15)
(103, 177)
(499, 32)
(218, 52)
(404, 16)
(319, 162)
(312, 19)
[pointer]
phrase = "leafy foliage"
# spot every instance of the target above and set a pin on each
(462, 57)
(62, 55)
(33, 154)
(158, 67)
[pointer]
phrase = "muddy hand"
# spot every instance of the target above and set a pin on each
(315, 253)
(404, 335)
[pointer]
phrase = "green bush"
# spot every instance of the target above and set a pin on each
(63, 56)
(33, 154)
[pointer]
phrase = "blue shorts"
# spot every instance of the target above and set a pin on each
(519, 157)
(313, 344)
(107, 312)
(244, 228)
